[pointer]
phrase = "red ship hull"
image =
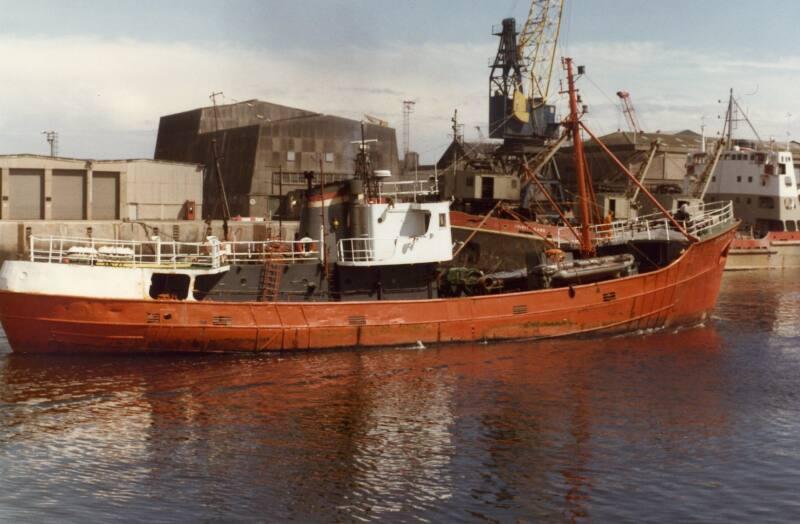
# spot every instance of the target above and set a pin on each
(682, 293)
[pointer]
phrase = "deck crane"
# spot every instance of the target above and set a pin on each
(520, 78)
(632, 193)
(629, 112)
(698, 186)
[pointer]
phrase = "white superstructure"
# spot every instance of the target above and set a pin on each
(397, 229)
(762, 183)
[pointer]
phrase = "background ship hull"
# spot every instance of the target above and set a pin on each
(681, 294)
(778, 250)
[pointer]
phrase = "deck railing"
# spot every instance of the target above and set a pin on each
(160, 253)
(365, 249)
(408, 190)
(702, 220)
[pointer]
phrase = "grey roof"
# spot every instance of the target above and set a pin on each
(685, 140)
(94, 160)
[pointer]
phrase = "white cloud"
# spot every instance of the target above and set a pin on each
(105, 96)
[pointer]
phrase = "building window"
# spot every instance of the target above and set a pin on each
(750, 179)
(328, 157)
(714, 178)
(781, 169)
(470, 181)
(442, 220)
(738, 179)
(513, 183)
(749, 200)
(290, 156)
(788, 181)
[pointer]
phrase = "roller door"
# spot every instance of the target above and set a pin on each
(105, 195)
(69, 194)
(26, 194)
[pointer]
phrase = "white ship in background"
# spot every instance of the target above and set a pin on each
(761, 179)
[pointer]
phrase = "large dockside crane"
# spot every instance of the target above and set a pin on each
(520, 78)
(520, 112)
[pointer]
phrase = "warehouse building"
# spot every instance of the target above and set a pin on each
(265, 149)
(34, 187)
(667, 170)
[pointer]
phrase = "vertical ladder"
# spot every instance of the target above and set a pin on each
(333, 285)
(271, 281)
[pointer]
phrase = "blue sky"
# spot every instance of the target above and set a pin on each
(101, 73)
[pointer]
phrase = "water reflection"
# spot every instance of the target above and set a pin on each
(558, 430)
(467, 431)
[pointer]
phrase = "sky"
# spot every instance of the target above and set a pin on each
(102, 73)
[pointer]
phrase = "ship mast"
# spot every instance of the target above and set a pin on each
(573, 124)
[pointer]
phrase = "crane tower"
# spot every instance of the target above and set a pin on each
(629, 112)
(520, 78)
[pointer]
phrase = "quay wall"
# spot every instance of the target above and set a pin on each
(15, 234)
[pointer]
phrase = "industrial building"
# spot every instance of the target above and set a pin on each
(265, 149)
(667, 170)
(34, 187)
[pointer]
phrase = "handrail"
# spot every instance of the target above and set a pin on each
(169, 254)
(701, 219)
(365, 249)
(407, 189)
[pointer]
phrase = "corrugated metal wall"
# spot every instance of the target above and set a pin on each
(26, 194)
(105, 195)
(69, 194)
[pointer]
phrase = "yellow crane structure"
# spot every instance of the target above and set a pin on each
(521, 75)
(537, 47)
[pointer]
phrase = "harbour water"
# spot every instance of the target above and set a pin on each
(698, 425)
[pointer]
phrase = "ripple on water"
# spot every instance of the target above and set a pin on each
(698, 425)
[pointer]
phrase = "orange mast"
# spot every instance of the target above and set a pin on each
(573, 123)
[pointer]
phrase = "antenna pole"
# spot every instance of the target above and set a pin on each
(408, 108)
(226, 211)
(52, 139)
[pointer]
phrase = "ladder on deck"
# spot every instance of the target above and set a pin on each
(271, 281)
(332, 282)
